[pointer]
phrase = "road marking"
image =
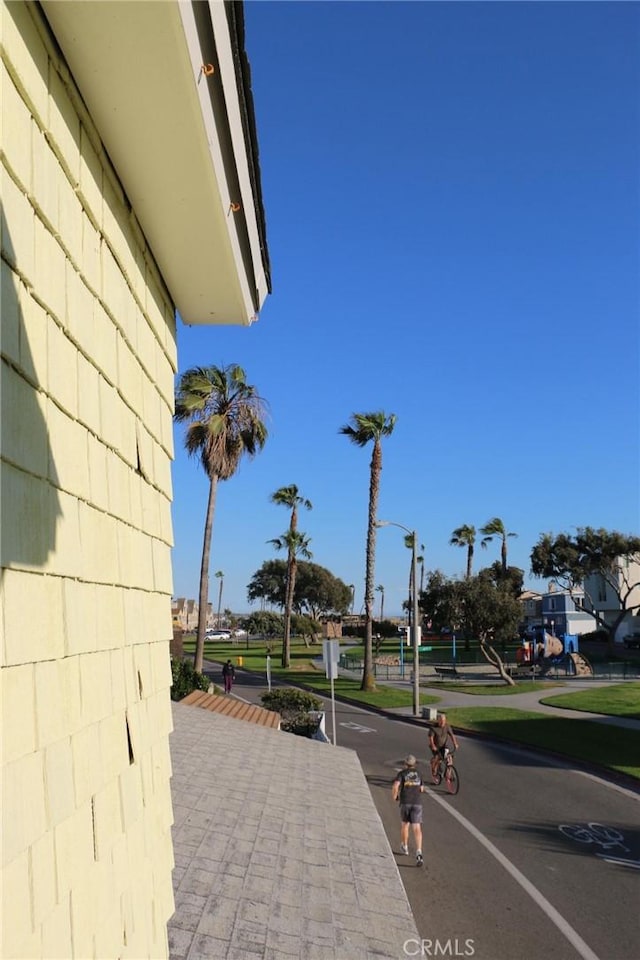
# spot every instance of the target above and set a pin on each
(621, 861)
(356, 726)
(541, 901)
(612, 786)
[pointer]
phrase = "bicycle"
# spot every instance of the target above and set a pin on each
(447, 772)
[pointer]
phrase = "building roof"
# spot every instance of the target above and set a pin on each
(280, 852)
(231, 707)
(168, 87)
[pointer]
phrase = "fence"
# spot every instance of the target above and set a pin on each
(613, 670)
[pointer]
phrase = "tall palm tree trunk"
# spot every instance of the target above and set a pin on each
(368, 678)
(220, 599)
(469, 560)
(204, 575)
(288, 606)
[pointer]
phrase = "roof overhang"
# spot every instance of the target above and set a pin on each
(167, 86)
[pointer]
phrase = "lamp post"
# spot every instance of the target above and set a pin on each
(415, 629)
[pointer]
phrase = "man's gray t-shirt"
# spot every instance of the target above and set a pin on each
(410, 782)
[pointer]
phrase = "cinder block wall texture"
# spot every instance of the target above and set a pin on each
(87, 368)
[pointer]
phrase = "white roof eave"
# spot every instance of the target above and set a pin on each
(140, 70)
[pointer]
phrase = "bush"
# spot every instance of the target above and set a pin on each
(294, 707)
(186, 679)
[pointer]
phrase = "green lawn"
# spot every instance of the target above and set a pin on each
(303, 672)
(579, 739)
(497, 689)
(618, 700)
(598, 743)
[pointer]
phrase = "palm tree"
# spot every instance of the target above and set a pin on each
(296, 545)
(465, 536)
(380, 590)
(408, 542)
(225, 421)
(496, 528)
(352, 587)
(289, 497)
(220, 576)
(367, 428)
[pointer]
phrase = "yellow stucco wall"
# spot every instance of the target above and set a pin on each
(87, 372)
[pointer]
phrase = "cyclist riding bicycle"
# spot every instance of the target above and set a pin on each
(438, 737)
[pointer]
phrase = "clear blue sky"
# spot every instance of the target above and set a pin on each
(452, 202)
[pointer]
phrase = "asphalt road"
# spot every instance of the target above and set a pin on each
(513, 871)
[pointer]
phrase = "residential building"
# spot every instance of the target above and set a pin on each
(616, 597)
(531, 603)
(563, 612)
(130, 193)
(185, 614)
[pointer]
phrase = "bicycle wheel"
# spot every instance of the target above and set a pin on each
(452, 780)
(437, 776)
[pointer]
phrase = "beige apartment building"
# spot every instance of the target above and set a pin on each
(130, 189)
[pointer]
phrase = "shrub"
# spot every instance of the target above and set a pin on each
(186, 679)
(294, 707)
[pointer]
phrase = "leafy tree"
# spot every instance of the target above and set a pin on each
(476, 608)
(435, 601)
(269, 583)
(225, 421)
(512, 579)
(496, 528)
(605, 555)
(305, 627)
(266, 623)
(290, 498)
(465, 536)
(367, 428)
(297, 545)
(317, 591)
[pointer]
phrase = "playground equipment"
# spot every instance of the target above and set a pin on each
(546, 652)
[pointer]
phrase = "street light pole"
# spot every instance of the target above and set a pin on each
(415, 629)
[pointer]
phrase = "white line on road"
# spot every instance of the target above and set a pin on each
(563, 926)
(607, 783)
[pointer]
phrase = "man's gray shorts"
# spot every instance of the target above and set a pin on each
(411, 812)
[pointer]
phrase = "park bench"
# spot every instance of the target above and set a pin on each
(444, 672)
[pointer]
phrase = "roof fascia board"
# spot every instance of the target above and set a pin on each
(215, 149)
(229, 83)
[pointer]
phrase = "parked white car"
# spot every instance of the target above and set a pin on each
(218, 634)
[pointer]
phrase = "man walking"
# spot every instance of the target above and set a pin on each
(407, 788)
(228, 675)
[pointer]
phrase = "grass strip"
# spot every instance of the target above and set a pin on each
(599, 743)
(497, 689)
(618, 700)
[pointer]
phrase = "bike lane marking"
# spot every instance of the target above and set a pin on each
(540, 900)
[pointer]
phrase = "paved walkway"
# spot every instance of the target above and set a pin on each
(280, 852)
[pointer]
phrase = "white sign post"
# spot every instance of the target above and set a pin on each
(269, 673)
(331, 655)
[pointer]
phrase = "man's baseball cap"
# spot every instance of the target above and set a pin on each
(411, 760)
